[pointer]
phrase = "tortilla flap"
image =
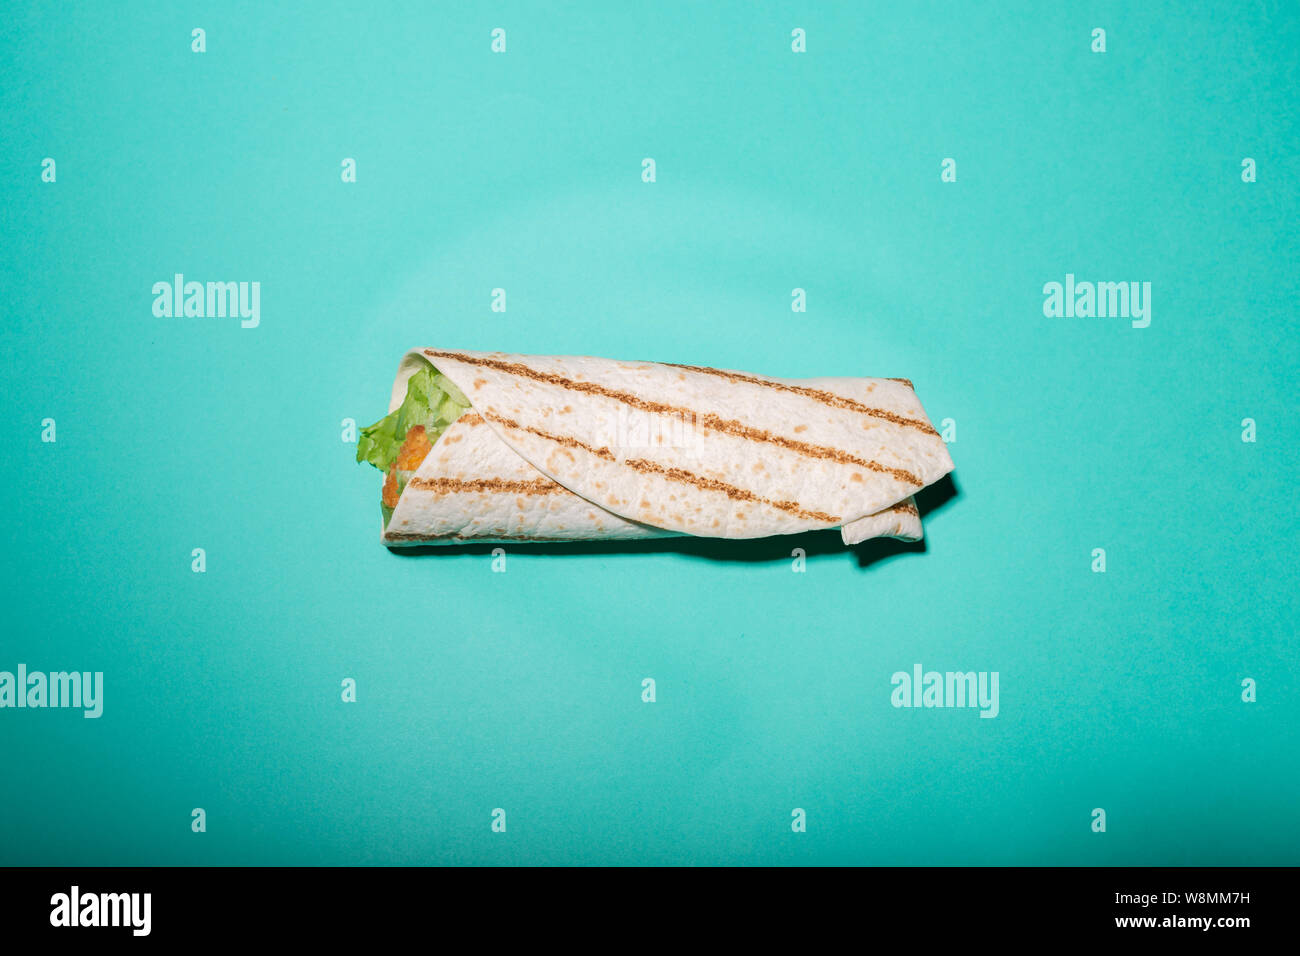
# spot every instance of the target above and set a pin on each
(472, 488)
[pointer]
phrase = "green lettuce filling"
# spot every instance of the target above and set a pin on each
(432, 400)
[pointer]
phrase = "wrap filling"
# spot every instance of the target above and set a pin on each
(398, 443)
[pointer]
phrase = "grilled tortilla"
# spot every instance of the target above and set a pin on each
(501, 447)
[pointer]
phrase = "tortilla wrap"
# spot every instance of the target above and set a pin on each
(566, 448)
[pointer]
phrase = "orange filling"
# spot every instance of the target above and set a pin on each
(413, 450)
(391, 493)
(409, 457)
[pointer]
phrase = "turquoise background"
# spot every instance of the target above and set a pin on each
(775, 170)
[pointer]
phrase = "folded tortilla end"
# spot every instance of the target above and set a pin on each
(901, 521)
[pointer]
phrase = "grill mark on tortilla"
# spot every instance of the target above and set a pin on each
(457, 536)
(469, 418)
(904, 506)
(821, 395)
(672, 474)
(538, 486)
(708, 419)
(731, 491)
(564, 440)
